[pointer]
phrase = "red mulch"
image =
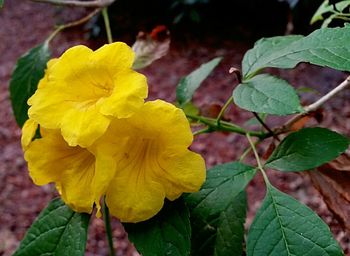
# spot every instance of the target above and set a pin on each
(25, 24)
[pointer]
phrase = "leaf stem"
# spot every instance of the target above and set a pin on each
(222, 111)
(107, 25)
(224, 126)
(72, 24)
(270, 132)
(107, 220)
(260, 166)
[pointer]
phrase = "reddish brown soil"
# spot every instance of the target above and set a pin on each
(25, 24)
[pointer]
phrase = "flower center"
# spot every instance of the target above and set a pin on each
(141, 158)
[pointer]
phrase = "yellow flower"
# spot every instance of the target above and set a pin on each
(83, 90)
(152, 161)
(136, 164)
(80, 176)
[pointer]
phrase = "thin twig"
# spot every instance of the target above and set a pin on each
(73, 24)
(95, 3)
(328, 96)
(314, 106)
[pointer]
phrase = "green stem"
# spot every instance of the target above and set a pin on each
(107, 25)
(107, 220)
(225, 126)
(222, 111)
(260, 166)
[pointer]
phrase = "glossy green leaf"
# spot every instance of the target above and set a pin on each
(324, 47)
(1, 3)
(168, 233)
(223, 233)
(306, 149)
(189, 84)
(325, 8)
(57, 231)
(264, 48)
(223, 183)
(285, 227)
(218, 210)
(25, 77)
(267, 94)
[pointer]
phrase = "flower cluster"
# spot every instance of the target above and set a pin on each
(100, 138)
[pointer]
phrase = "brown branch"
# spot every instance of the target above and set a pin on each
(73, 23)
(314, 106)
(94, 3)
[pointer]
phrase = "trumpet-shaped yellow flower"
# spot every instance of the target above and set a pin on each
(136, 164)
(79, 175)
(83, 90)
(152, 161)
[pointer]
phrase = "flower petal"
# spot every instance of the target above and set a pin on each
(161, 121)
(105, 168)
(70, 65)
(185, 173)
(114, 56)
(75, 184)
(130, 90)
(132, 197)
(46, 109)
(28, 131)
(50, 159)
(83, 127)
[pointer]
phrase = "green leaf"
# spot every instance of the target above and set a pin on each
(168, 233)
(265, 47)
(222, 233)
(223, 183)
(306, 149)
(189, 84)
(267, 94)
(285, 227)
(25, 77)
(218, 210)
(1, 3)
(325, 8)
(57, 231)
(324, 47)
